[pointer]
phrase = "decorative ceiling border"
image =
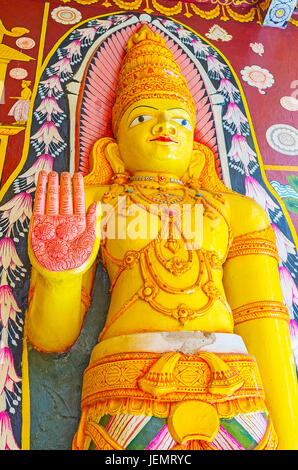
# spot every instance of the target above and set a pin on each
(225, 10)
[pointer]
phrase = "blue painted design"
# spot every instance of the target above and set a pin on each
(279, 13)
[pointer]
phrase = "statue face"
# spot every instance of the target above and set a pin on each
(156, 135)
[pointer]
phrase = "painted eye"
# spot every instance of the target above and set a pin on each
(140, 120)
(184, 122)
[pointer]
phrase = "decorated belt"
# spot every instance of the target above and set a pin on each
(189, 342)
(172, 377)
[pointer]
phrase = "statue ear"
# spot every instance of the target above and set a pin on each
(113, 156)
(196, 166)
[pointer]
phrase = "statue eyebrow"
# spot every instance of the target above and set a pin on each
(172, 109)
(142, 106)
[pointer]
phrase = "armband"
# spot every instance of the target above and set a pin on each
(261, 309)
(254, 243)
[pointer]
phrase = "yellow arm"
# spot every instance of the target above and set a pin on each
(253, 291)
(58, 300)
(57, 307)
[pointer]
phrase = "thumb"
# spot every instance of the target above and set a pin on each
(93, 214)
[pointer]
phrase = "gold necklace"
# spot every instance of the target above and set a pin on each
(163, 195)
(161, 180)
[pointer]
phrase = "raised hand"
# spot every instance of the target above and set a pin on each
(62, 235)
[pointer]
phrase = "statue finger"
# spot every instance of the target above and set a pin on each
(40, 195)
(66, 200)
(91, 216)
(79, 194)
(52, 200)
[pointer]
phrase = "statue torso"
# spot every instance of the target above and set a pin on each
(160, 279)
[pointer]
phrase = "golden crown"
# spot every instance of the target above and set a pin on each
(149, 70)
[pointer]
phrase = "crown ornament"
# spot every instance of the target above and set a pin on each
(149, 70)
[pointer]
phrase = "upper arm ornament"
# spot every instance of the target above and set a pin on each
(260, 242)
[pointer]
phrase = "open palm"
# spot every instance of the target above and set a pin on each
(62, 235)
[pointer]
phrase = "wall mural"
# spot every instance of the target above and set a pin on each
(70, 110)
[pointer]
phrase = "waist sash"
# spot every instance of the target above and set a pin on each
(211, 374)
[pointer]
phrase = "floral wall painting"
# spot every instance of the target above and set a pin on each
(66, 15)
(25, 43)
(257, 47)
(226, 127)
(283, 138)
(18, 73)
(257, 77)
(289, 102)
(217, 33)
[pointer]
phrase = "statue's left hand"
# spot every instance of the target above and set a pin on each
(62, 236)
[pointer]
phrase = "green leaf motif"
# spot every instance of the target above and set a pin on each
(293, 182)
(291, 204)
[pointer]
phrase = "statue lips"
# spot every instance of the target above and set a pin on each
(164, 138)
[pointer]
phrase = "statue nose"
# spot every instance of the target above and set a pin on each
(164, 126)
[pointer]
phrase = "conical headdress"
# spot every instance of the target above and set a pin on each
(149, 70)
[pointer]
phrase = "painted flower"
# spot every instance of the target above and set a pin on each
(8, 305)
(66, 15)
(44, 162)
(289, 102)
(104, 24)
(257, 77)
(46, 136)
(18, 208)
(49, 109)
(3, 402)
(118, 19)
(51, 87)
(7, 440)
(8, 255)
(16, 214)
(279, 14)
(216, 69)
(254, 190)
(73, 51)
(184, 34)
(217, 32)
(283, 138)
(169, 23)
(257, 47)
(289, 289)
(284, 245)
(25, 43)
(228, 90)
(241, 152)
(87, 35)
(200, 49)
(62, 68)
(18, 73)
(235, 121)
(8, 375)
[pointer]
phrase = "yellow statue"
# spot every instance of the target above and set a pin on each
(195, 352)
